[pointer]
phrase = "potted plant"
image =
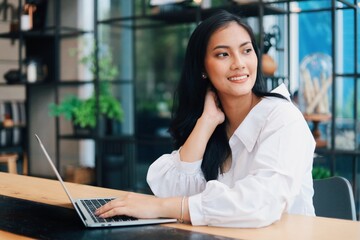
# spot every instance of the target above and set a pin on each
(83, 112)
(319, 172)
(271, 38)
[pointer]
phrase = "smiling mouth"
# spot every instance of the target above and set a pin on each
(238, 78)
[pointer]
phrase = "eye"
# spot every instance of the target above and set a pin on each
(222, 55)
(248, 50)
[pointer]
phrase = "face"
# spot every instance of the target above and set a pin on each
(231, 61)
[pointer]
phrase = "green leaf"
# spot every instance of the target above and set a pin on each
(83, 112)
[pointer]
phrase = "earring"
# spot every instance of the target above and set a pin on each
(203, 75)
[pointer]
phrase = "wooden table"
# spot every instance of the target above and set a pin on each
(289, 227)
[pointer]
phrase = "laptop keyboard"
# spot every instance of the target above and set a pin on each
(92, 204)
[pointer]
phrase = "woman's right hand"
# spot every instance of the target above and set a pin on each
(212, 111)
(194, 147)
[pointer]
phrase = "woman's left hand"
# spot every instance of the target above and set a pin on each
(132, 204)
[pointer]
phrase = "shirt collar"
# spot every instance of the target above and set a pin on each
(282, 90)
(249, 130)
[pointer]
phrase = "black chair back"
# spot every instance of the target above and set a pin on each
(333, 198)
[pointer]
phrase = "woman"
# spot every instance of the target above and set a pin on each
(244, 155)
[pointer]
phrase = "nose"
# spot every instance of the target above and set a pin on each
(237, 62)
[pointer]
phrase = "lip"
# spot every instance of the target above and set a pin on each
(239, 77)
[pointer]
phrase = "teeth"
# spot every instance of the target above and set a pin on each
(238, 78)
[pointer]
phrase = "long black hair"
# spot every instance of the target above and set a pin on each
(190, 93)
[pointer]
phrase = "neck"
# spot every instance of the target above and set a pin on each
(237, 111)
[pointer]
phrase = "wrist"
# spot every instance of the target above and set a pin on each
(175, 207)
(207, 123)
(182, 210)
(195, 145)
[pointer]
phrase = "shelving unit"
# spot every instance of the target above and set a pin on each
(353, 76)
(333, 155)
(42, 43)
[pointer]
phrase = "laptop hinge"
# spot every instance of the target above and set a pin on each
(79, 211)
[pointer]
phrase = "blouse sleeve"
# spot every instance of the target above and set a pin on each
(169, 177)
(281, 165)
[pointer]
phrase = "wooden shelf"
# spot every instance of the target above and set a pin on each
(193, 14)
(50, 32)
(16, 126)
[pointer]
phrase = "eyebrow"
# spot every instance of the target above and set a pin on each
(225, 46)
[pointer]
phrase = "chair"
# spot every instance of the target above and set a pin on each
(333, 198)
(10, 160)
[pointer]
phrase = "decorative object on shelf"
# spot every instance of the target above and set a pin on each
(165, 2)
(27, 16)
(271, 38)
(13, 76)
(13, 121)
(5, 8)
(315, 91)
(8, 122)
(82, 112)
(316, 81)
(36, 71)
(246, 1)
(345, 136)
(168, 6)
(316, 119)
(39, 16)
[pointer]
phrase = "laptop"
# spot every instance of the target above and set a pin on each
(85, 208)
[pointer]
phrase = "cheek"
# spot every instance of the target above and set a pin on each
(208, 66)
(213, 68)
(255, 62)
(213, 73)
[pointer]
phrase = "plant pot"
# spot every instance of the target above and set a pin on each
(109, 126)
(269, 66)
(78, 130)
(106, 127)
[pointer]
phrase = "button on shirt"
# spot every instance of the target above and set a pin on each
(272, 155)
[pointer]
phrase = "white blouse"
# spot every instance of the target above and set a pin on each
(272, 155)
